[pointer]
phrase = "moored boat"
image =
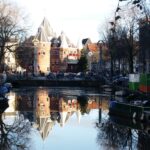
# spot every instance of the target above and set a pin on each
(4, 89)
(131, 123)
(138, 110)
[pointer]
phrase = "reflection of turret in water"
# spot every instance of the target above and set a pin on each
(63, 118)
(65, 108)
(62, 107)
(44, 122)
(78, 113)
(42, 104)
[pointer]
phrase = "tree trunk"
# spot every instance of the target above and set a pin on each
(2, 59)
(111, 68)
(131, 60)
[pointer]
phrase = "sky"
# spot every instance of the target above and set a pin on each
(78, 19)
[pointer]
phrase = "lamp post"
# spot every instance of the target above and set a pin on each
(90, 63)
(35, 43)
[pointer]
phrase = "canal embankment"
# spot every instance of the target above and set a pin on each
(69, 83)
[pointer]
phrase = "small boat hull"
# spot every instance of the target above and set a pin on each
(128, 110)
(131, 123)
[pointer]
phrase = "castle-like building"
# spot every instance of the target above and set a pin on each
(52, 53)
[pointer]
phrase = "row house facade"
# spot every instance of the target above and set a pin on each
(97, 55)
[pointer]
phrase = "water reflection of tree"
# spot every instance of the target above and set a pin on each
(14, 135)
(114, 136)
(143, 141)
(83, 103)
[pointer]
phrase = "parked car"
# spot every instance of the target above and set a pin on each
(51, 76)
(60, 75)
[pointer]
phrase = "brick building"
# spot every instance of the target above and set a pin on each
(52, 53)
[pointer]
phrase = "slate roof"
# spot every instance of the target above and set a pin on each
(41, 35)
(45, 32)
(64, 43)
(47, 27)
(84, 41)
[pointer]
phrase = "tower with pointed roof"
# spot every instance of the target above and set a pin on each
(51, 53)
(42, 48)
(63, 47)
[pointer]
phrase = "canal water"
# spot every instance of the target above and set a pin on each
(66, 118)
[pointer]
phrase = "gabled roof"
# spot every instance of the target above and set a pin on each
(45, 125)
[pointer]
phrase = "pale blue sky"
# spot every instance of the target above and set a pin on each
(77, 18)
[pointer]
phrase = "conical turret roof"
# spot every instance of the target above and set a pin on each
(47, 27)
(79, 44)
(41, 35)
(64, 43)
(45, 32)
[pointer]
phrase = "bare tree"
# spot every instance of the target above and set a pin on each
(142, 16)
(113, 135)
(25, 54)
(123, 35)
(11, 28)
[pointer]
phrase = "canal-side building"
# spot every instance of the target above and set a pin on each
(42, 48)
(52, 53)
(97, 55)
(54, 56)
(47, 52)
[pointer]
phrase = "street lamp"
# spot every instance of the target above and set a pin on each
(90, 63)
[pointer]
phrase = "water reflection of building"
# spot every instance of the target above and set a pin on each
(67, 108)
(20, 103)
(62, 108)
(11, 110)
(25, 105)
(44, 122)
(44, 110)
